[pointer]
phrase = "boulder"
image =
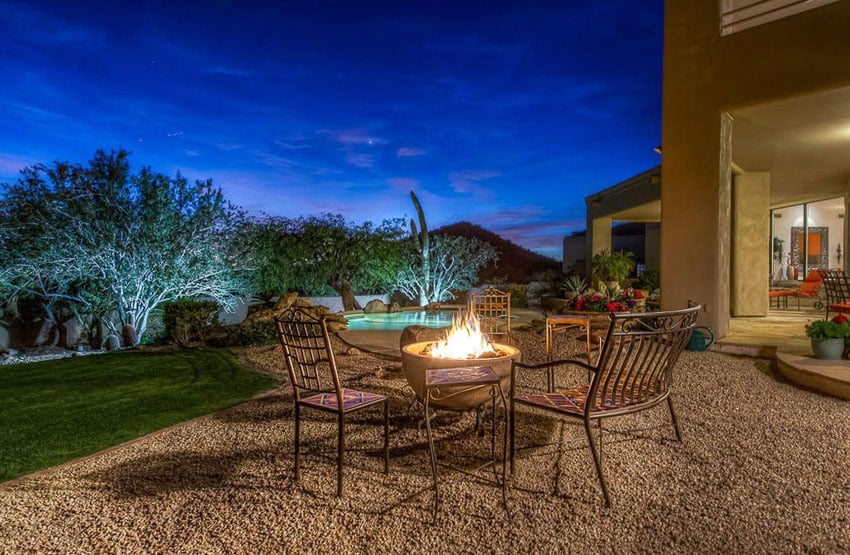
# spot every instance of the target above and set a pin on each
(112, 342)
(5, 340)
(375, 306)
(336, 322)
(395, 307)
(415, 334)
(284, 302)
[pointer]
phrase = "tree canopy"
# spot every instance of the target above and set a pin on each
(100, 240)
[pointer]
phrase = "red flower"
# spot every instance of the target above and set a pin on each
(840, 319)
(638, 295)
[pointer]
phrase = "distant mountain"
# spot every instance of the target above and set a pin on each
(515, 263)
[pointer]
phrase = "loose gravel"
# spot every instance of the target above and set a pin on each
(763, 468)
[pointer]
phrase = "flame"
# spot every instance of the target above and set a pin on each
(463, 340)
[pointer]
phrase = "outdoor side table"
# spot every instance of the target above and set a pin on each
(468, 378)
(563, 322)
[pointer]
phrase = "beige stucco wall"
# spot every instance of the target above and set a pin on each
(705, 76)
(750, 225)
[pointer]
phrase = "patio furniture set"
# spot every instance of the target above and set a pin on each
(632, 372)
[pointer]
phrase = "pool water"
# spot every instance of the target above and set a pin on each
(400, 320)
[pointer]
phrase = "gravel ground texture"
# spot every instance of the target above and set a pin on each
(763, 468)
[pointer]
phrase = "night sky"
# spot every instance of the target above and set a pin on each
(504, 114)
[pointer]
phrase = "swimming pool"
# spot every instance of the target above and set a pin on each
(400, 320)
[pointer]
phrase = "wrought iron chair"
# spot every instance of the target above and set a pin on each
(632, 373)
(492, 307)
(837, 286)
(315, 381)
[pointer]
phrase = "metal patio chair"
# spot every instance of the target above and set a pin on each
(315, 381)
(837, 286)
(492, 307)
(634, 372)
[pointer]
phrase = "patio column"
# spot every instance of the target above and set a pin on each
(750, 243)
(598, 239)
(696, 208)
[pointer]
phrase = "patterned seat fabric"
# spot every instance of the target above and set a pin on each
(351, 399)
(572, 401)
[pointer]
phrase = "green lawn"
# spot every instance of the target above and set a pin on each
(57, 410)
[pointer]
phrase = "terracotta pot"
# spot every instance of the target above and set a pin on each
(414, 364)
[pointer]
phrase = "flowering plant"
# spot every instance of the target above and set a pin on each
(839, 326)
(606, 300)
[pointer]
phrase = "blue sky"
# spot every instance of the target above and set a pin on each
(504, 114)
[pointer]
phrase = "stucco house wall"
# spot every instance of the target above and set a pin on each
(705, 77)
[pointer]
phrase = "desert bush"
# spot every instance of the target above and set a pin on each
(257, 332)
(187, 319)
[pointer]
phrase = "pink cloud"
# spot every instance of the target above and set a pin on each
(12, 163)
(350, 137)
(407, 151)
(467, 181)
(360, 160)
(403, 183)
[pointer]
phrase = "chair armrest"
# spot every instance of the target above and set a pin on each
(544, 366)
(551, 363)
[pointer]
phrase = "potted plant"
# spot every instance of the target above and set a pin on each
(574, 286)
(612, 267)
(828, 336)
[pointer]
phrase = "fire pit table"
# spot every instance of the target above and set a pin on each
(444, 383)
(415, 364)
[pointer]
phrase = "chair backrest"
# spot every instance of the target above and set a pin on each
(837, 287)
(308, 353)
(492, 307)
(811, 285)
(635, 366)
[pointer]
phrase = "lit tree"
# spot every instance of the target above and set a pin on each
(106, 241)
(350, 257)
(453, 266)
(271, 246)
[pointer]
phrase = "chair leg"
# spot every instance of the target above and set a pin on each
(386, 436)
(512, 426)
(597, 460)
(340, 454)
(675, 420)
(297, 441)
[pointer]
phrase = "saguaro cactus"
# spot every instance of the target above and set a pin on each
(423, 242)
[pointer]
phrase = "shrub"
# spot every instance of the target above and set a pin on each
(519, 295)
(257, 332)
(649, 280)
(187, 319)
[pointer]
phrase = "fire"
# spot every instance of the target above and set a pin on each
(464, 339)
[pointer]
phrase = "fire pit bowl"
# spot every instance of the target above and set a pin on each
(414, 364)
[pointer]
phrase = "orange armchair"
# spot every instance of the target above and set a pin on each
(810, 287)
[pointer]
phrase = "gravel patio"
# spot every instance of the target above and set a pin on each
(763, 469)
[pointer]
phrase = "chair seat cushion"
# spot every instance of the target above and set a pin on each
(840, 307)
(352, 399)
(782, 293)
(572, 401)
